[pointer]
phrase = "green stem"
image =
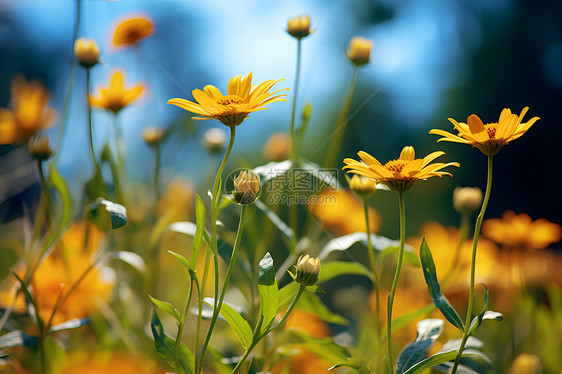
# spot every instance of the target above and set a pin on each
(373, 263)
(473, 263)
(42, 357)
(390, 300)
(293, 208)
(182, 325)
(156, 179)
(341, 122)
(200, 308)
(464, 227)
(90, 117)
(73, 64)
(277, 325)
(46, 203)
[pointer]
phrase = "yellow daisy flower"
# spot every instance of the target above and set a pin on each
(116, 97)
(129, 31)
(401, 174)
(489, 138)
(28, 112)
(241, 99)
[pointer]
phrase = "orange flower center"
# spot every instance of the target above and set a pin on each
(491, 132)
(396, 166)
(230, 99)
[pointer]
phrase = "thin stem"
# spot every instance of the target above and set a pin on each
(90, 117)
(341, 122)
(73, 64)
(46, 202)
(373, 263)
(390, 300)
(156, 179)
(200, 308)
(182, 324)
(277, 325)
(293, 208)
(473, 263)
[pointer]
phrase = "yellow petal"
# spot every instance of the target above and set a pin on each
(475, 124)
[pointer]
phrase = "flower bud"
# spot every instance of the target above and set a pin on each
(86, 51)
(299, 27)
(246, 187)
(467, 199)
(362, 186)
(277, 147)
(308, 269)
(39, 148)
(526, 363)
(359, 50)
(152, 135)
(214, 140)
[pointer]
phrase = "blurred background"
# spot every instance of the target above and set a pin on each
(432, 59)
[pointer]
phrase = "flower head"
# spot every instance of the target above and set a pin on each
(116, 97)
(308, 269)
(520, 231)
(277, 147)
(362, 186)
(129, 31)
(299, 27)
(467, 199)
(86, 51)
(214, 140)
(401, 174)
(359, 51)
(39, 147)
(489, 138)
(152, 135)
(28, 112)
(241, 99)
(526, 363)
(246, 187)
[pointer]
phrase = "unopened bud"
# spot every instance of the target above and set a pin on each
(308, 269)
(277, 147)
(299, 27)
(362, 186)
(359, 51)
(39, 147)
(467, 199)
(526, 363)
(152, 135)
(214, 140)
(246, 187)
(86, 51)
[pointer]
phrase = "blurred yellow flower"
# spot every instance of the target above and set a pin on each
(40, 148)
(359, 50)
(277, 147)
(116, 97)
(520, 231)
(299, 26)
(130, 30)
(401, 174)
(28, 111)
(342, 211)
(177, 201)
(121, 363)
(489, 138)
(526, 363)
(467, 199)
(362, 186)
(86, 51)
(242, 99)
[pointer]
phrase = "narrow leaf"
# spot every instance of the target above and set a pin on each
(17, 338)
(58, 182)
(165, 346)
(166, 307)
(342, 243)
(274, 218)
(69, 325)
(439, 299)
(182, 259)
(117, 212)
(131, 258)
(200, 213)
(31, 306)
(428, 331)
(236, 322)
(268, 292)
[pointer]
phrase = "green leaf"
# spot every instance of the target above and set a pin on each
(268, 292)
(200, 213)
(323, 347)
(438, 359)
(189, 228)
(428, 331)
(182, 259)
(274, 218)
(484, 314)
(405, 319)
(117, 212)
(166, 307)
(95, 186)
(439, 299)
(69, 325)
(333, 269)
(17, 338)
(165, 346)
(130, 258)
(236, 321)
(57, 181)
(312, 303)
(410, 257)
(31, 306)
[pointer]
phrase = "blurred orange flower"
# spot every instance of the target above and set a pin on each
(277, 147)
(231, 110)
(520, 231)
(113, 363)
(116, 97)
(28, 114)
(342, 211)
(131, 30)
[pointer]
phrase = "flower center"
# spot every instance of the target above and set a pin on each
(396, 166)
(491, 130)
(230, 99)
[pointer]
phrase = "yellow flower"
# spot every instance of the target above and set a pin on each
(214, 140)
(277, 147)
(308, 269)
(102, 363)
(520, 231)
(489, 138)
(39, 148)
(362, 186)
(129, 31)
(401, 174)
(116, 97)
(232, 109)
(299, 27)
(359, 50)
(152, 135)
(526, 363)
(29, 112)
(246, 187)
(342, 211)
(86, 51)
(467, 199)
